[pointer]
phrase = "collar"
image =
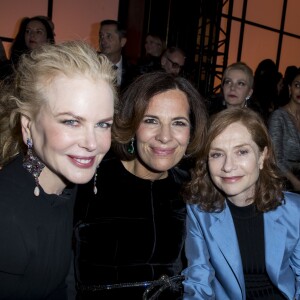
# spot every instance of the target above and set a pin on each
(119, 63)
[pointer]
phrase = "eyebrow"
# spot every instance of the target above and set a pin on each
(235, 147)
(70, 114)
(38, 27)
(80, 118)
(239, 79)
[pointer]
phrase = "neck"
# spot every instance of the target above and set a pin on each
(293, 107)
(51, 183)
(237, 105)
(240, 202)
(114, 58)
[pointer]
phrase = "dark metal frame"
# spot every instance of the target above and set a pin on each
(213, 43)
(212, 72)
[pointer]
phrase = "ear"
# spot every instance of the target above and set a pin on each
(25, 124)
(262, 158)
(123, 41)
(250, 93)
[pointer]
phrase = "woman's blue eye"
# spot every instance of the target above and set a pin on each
(104, 125)
(70, 122)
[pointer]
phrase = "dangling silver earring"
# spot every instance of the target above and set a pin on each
(95, 181)
(33, 165)
(130, 148)
(246, 102)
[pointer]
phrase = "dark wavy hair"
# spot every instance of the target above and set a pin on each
(268, 192)
(135, 100)
(19, 46)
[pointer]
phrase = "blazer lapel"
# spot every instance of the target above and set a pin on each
(275, 241)
(223, 231)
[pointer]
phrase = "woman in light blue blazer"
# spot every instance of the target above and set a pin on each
(243, 231)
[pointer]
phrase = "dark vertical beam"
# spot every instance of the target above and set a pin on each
(281, 32)
(242, 30)
(50, 9)
(227, 33)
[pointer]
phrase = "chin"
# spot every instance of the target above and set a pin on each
(81, 179)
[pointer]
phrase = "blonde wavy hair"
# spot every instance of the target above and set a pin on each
(25, 93)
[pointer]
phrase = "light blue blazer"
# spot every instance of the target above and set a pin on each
(214, 263)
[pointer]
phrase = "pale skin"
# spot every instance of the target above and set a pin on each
(162, 137)
(235, 162)
(293, 107)
(35, 34)
(236, 88)
(110, 42)
(72, 132)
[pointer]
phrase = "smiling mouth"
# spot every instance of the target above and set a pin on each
(81, 162)
(232, 179)
(162, 152)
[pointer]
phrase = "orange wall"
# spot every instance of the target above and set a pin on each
(260, 44)
(73, 19)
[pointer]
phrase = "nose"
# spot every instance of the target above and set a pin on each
(32, 33)
(229, 164)
(233, 86)
(88, 140)
(164, 135)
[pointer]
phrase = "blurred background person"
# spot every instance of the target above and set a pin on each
(150, 61)
(172, 60)
(265, 92)
(237, 88)
(112, 40)
(284, 127)
(284, 94)
(33, 32)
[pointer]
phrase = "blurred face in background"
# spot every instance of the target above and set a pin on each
(294, 89)
(110, 42)
(172, 62)
(35, 34)
(153, 45)
(236, 88)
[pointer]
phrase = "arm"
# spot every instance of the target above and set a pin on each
(199, 273)
(293, 180)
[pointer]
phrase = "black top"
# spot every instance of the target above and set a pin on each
(133, 231)
(35, 235)
(148, 64)
(249, 226)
